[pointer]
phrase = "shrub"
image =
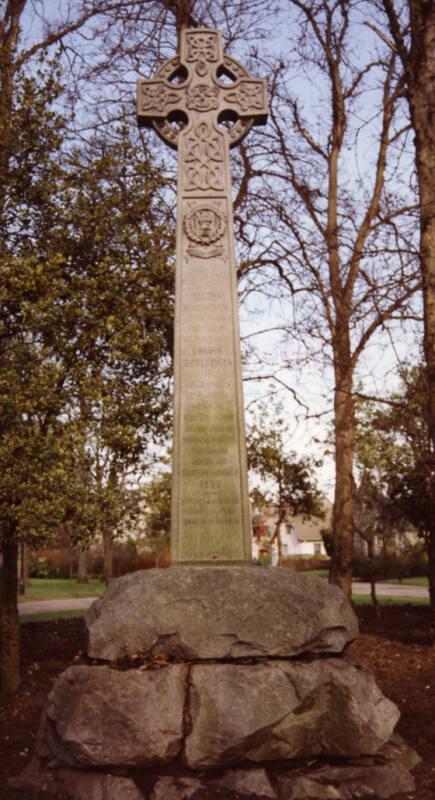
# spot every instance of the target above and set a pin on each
(390, 566)
(40, 567)
(305, 563)
(51, 563)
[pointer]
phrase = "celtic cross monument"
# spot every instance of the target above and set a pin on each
(186, 102)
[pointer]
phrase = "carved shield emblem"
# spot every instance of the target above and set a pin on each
(204, 225)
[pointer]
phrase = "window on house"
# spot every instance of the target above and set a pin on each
(317, 548)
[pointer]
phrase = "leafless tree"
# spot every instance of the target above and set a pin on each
(408, 30)
(328, 184)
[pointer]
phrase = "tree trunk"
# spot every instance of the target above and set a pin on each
(430, 544)
(343, 512)
(10, 19)
(23, 568)
(276, 536)
(9, 622)
(421, 85)
(108, 557)
(82, 574)
(371, 555)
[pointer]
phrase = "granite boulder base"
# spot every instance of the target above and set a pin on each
(219, 613)
(215, 678)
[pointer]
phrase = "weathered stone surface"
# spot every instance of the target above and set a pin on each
(284, 710)
(176, 788)
(76, 784)
(350, 783)
(219, 612)
(328, 783)
(104, 717)
(246, 783)
(396, 749)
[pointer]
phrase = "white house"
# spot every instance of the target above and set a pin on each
(300, 536)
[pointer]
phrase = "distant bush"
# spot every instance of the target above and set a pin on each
(51, 563)
(130, 561)
(62, 563)
(391, 566)
(40, 567)
(306, 563)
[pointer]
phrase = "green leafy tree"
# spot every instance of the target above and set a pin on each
(156, 498)
(33, 436)
(278, 477)
(377, 521)
(85, 321)
(119, 340)
(393, 446)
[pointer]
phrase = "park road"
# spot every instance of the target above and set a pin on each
(359, 588)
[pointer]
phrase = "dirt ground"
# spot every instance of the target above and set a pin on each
(398, 651)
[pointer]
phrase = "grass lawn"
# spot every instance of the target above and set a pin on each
(423, 581)
(385, 600)
(60, 588)
(321, 573)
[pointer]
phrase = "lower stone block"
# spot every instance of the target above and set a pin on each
(284, 710)
(74, 784)
(240, 783)
(379, 781)
(105, 717)
(371, 780)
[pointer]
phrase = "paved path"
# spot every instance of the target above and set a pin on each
(64, 604)
(390, 589)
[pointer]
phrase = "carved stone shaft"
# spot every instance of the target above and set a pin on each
(210, 505)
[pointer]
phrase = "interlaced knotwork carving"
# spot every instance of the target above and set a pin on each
(203, 157)
(157, 97)
(248, 96)
(203, 97)
(201, 46)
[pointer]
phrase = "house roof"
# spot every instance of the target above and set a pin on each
(309, 530)
(305, 529)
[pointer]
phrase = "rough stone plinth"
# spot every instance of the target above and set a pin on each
(219, 613)
(284, 710)
(218, 676)
(233, 713)
(350, 783)
(105, 717)
(76, 784)
(371, 782)
(238, 783)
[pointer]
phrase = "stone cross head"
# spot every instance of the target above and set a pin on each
(201, 84)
